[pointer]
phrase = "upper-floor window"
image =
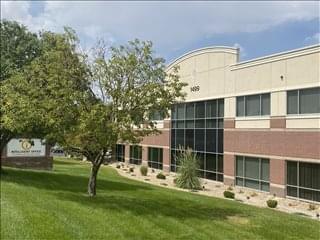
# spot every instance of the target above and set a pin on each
(303, 101)
(253, 105)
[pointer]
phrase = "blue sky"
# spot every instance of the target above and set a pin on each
(258, 28)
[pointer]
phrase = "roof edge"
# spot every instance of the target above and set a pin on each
(192, 52)
(275, 55)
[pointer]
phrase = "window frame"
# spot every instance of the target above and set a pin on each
(298, 103)
(298, 186)
(210, 122)
(159, 161)
(244, 178)
(120, 156)
(244, 110)
(133, 159)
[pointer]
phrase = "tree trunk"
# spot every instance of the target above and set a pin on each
(4, 139)
(93, 179)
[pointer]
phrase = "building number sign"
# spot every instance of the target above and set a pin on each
(195, 89)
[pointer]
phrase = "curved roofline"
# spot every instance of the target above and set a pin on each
(190, 53)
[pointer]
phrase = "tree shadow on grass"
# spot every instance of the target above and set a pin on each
(123, 195)
(55, 181)
(146, 204)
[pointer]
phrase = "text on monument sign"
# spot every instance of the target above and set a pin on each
(22, 147)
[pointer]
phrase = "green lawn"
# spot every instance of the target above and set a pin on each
(54, 205)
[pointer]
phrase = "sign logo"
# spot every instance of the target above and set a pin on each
(26, 144)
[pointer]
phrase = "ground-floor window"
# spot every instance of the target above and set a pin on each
(211, 165)
(303, 180)
(120, 148)
(135, 154)
(155, 157)
(252, 172)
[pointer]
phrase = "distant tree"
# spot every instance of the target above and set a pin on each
(130, 85)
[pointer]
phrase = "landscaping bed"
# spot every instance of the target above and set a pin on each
(217, 189)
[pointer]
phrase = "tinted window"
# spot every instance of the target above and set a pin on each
(252, 105)
(200, 127)
(292, 102)
(190, 111)
(189, 138)
(309, 100)
(240, 106)
(180, 111)
(211, 109)
(211, 140)
(199, 140)
(200, 110)
(303, 101)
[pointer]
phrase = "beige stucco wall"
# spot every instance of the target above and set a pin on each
(300, 69)
(218, 74)
(206, 68)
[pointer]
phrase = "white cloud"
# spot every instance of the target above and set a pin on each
(243, 52)
(314, 39)
(169, 25)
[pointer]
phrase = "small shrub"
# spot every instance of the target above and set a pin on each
(228, 194)
(187, 172)
(312, 207)
(160, 175)
(272, 203)
(131, 169)
(144, 170)
(118, 166)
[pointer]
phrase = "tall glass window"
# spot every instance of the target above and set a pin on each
(120, 150)
(303, 101)
(199, 126)
(252, 173)
(135, 154)
(155, 157)
(303, 180)
(253, 105)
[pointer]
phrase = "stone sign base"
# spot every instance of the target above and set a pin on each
(44, 163)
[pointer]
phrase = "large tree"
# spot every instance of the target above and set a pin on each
(89, 106)
(41, 99)
(19, 48)
(130, 85)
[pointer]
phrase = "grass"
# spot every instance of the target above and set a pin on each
(54, 205)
